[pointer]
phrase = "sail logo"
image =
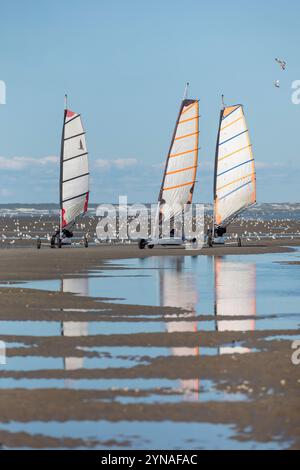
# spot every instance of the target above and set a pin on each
(296, 92)
(2, 92)
(296, 354)
(125, 222)
(2, 353)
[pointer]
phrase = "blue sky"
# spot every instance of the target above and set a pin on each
(124, 65)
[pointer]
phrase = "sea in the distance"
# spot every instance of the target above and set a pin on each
(261, 211)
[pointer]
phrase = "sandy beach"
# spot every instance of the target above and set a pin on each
(149, 229)
(265, 380)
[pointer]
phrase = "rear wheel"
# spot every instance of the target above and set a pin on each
(142, 243)
(59, 243)
(210, 241)
(150, 247)
(194, 243)
(38, 243)
(239, 241)
(86, 242)
(52, 241)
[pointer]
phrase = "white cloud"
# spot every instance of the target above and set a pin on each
(269, 165)
(119, 163)
(286, 165)
(125, 162)
(19, 163)
(5, 192)
(102, 164)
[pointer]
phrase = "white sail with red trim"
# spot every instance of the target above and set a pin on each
(181, 166)
(235, 180)
(74, 193)
(78, 286)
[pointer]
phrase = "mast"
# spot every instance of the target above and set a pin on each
(216, 163)
(186, 89)
(61, 165)
(223, 102)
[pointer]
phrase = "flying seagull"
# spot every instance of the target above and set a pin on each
(277, 83)
(282, 63)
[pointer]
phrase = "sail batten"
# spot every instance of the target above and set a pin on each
(74, 177)
(182, 161)
(235, 178)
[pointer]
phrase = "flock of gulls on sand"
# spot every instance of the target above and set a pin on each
(34, 226)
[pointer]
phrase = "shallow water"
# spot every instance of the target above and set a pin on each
(227, 288)
(201, 283)
(135, 390)
(144, 434)
(21, 363)
(249, 285)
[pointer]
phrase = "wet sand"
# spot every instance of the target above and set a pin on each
(267, 377)
(46, 263)
(269, 382)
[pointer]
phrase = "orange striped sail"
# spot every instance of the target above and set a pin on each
(181, 165)
(235, 179)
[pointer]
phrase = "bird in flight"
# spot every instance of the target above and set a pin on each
(282, 63)
(277, 84)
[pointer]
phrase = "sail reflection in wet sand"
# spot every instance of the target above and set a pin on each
(72, 328)
(235, 296)
(177, 288)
